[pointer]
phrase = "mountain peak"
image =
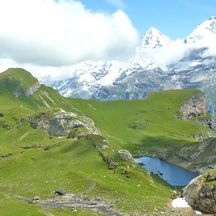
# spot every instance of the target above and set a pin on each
(212, 18)
(20, 75)
(152, 30)
(18, 82)
(204, 30)
(153, 38)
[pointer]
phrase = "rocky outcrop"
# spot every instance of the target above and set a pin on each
(17, 92)
(200, 193)
(194, 107)
(34, 88)
(64, 124)
(197, 156)
(125, 155)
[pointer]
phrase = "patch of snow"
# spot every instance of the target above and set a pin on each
(198, 212)
(199, 78)
(180, 203)
(114, 71)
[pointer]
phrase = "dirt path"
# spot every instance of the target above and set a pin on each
(99, 205)
(75, 201)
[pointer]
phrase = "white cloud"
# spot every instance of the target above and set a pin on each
(58, 33)
(117, 3)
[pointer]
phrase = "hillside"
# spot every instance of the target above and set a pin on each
(50, 143)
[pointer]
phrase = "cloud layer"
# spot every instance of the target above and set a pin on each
(58, 33)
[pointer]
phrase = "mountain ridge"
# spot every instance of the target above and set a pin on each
(164, 64)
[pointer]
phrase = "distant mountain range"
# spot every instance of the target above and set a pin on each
(159, 64)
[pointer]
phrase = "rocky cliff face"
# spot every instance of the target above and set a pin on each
(194, 107)
(200, 193)
(197, 156)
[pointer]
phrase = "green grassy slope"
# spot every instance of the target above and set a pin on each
(22, 76)
(144, 126)
(75, 165)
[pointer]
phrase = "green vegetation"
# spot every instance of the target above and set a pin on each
(144, 126)
(33, 163)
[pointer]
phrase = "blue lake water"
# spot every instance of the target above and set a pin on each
(172, 174)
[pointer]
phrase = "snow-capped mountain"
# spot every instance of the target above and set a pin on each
(154, 39)
(88, 76)
(153, 42)
(159, 63)
(206, 30)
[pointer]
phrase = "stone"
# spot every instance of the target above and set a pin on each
(111, 164)
(124, 171)
(17, 92)
(63, 124)
(7, 155)
(125, 155)
(194, 107)
(34, 88)
(200, 193)
(59, 192)
(6, 126)
(210, 178)
(213, 166)
(35, 199)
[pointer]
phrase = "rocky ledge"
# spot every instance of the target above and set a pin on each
(200, 193)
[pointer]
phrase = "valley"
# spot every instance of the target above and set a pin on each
(86, 148)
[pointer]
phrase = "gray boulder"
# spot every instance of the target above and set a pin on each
(125, 155)
(64, 124)
(200, 193)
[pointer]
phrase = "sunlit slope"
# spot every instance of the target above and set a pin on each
(144, 125)
(34, 163)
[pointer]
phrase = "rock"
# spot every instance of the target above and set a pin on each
(34, 88)
(106, 142)
(17, 92)
(111, 164)
(59, 192)
(198, 137)
(124, 171)
(197, 156)
(212, 166)
(7, 155)
(125, 155)
(64, 124)
(35, 199)
(194, 107)
(6, 126)
(210, 178)
(200, 193)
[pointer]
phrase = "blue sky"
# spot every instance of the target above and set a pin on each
(68, 32)
(176, 18)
